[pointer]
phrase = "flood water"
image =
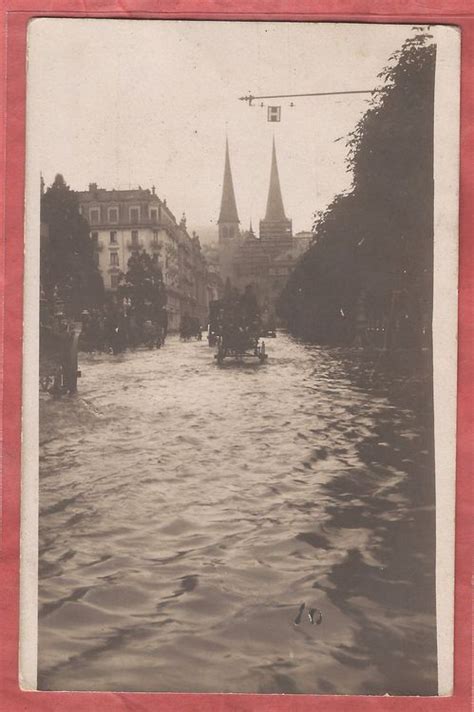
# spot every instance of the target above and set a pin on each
(187, 511)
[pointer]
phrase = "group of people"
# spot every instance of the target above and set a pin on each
(190, 328)
(120, 325)
(236, 313)
(117, 327)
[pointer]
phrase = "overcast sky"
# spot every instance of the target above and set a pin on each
(125, 103)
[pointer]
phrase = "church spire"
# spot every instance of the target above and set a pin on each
(275, 210)
(228, 213)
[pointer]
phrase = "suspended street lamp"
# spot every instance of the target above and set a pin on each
(274, 112)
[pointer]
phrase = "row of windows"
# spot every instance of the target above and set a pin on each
(113, 215)
(114, 260)
(113, 237)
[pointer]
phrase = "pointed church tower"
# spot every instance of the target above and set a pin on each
(228, 217)
(228, 222)
(275, 225)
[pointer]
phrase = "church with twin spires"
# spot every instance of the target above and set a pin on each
(264, 262)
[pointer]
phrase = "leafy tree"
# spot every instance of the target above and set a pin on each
(377, 240)
(143, 284)
(68, 270)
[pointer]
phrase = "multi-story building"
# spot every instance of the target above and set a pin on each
(126, 221)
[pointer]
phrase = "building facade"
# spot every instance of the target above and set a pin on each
(264, 262)
(123, 222)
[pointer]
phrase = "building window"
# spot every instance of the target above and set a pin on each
(114, 259)
(113, 237)
(95, 238)
(94, 215)
(114, 278)
(134, 215)
(135, 238)
(154, 215)
(113, 215)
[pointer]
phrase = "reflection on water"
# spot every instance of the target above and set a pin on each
(188, 511)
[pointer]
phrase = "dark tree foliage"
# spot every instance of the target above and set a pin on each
(143, 284)
(377, 240)
(68, 271)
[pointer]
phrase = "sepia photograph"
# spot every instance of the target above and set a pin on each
(240, 357)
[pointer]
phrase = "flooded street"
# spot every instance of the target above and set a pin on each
(187, 511)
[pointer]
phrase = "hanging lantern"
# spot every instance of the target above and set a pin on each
(274, 113)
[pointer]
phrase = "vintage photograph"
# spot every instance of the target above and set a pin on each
(232, 355)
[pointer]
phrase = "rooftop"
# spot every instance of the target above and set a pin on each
(97, 194)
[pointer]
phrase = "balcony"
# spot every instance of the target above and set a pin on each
(133, 245)
(127, 224)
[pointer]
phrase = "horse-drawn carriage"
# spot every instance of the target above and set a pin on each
(235, 327)
(190, 328)
(239, 343)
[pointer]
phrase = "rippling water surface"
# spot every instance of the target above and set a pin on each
(187, 511)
